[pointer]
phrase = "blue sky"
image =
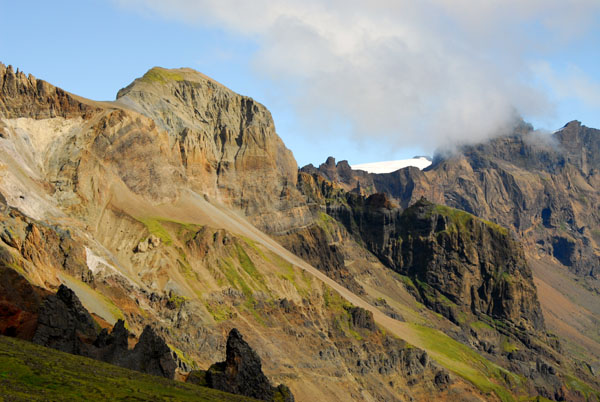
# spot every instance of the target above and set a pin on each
(362, 81)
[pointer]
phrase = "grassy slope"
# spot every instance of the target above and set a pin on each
(29, 372)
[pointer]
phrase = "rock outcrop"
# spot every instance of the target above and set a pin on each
(241, 373)
(25, 96)
(459, 263)
(64, 324)
(152, 355)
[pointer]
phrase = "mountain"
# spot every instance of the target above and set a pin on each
(544, 189)
(178, 207)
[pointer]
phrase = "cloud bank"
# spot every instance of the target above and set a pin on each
(426, 73)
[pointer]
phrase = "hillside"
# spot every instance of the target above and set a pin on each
(177, 206)
(30, 372)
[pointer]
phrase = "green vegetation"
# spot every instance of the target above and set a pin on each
(578, 385)
(408, 283)
(288, 272)
(30, 372)
(460, 219)
(234, 278)
(157, 229)
(156, 226)
(198, 377)
(327, 223)
(161, 76)
(340, 307)
(247, 264)
(535, 399)
(176, 301)
(254, 247)
(508, 346)
(456, 216)
(184, 266)
(183, 357)
(221, 312)
(467, 363)
(480, 325)
(334, 301)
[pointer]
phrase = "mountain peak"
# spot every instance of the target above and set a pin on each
(165, 75)
(160, 76)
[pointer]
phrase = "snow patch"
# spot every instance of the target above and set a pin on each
(420, 162)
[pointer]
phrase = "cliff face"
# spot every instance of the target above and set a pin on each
(226, 142)
(459, 263)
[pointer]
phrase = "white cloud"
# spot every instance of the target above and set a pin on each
(572, 83)
(425, 73)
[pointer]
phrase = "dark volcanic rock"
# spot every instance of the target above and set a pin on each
(362, 318)
(241, 373)
(113, 347)
(462, 264)
(64, 323)
(152, 355)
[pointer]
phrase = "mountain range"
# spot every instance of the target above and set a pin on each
(171, 232)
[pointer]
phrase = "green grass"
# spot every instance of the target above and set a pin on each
(30, 372)
(156, 226)
(578, 385)
(182, 356)
(485, 375)
(481, 325)
(508, 346)
(408, 283)
(157, 229)
(288, 273)
(161, 76)
(177, 301)
(247, 264)
(234, 278)
(221, 312)
(249, 242)
(327, 223)
(460, 219)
